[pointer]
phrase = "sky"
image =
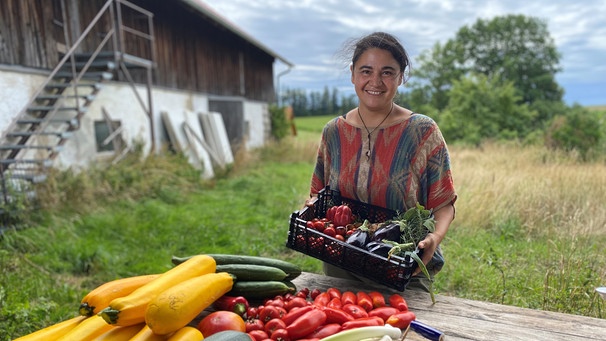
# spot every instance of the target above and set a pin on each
(310, 33)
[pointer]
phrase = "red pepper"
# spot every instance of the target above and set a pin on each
(363, 322)
(355, 310)
(364, 300)
(398, 301)
(325, 331)
(378, 300)
(335, 303)
(295, 313)
(322, 299)
(330, 213)
(334, 293)
(401, 320)
(306, 324)
(337, 316)
(383, 312)
(258, 335)
(349, 297)
(236, 304)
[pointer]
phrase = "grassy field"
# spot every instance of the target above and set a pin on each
(529, 231)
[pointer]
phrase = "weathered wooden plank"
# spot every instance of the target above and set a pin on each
(463, 319)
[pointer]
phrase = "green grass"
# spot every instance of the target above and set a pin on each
(529, 228)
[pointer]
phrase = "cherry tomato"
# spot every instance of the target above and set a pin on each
(280, 335)
(315, 293)
(252, 312)
(319, 225)
(258, 335)
(253, 324)
(269, 312)
(274, 324)
(330, 231)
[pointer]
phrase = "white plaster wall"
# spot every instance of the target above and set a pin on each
(121, 104)
(16, 89)
(256, 116)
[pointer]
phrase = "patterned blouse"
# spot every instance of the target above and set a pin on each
(409, 163)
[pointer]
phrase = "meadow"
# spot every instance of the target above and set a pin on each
(529, 230)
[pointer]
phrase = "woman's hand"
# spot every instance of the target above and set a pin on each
(311, 201)
(443, 217)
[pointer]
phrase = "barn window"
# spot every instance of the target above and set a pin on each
(105, 133)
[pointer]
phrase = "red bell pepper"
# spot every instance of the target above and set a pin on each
(398, 301)
(236, 304)
(343, 216)
(330, 213)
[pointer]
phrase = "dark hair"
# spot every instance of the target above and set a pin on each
(381, 40)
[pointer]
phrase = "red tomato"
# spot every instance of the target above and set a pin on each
(330, 231)
(341, 230)
(268, 312)
(258, 335)
(319, 225)
(334, 293)
(355, 310)
(383, 312)
(253, 324)
(295, 302)
(398, 301)
(280, 335)
(340, 237)
(273, 325)
(252, 312)
(306, 324)
(219, 321)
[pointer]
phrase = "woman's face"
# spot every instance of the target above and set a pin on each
(376, 76)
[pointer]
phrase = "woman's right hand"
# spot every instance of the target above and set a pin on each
(311, 201)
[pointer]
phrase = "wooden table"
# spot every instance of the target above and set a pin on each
(463, 319)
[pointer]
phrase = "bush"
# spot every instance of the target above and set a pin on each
(279, 123)
(576, 130)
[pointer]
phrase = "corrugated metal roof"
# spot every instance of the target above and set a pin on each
(206, 10)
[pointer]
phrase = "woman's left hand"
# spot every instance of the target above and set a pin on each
(429, 246)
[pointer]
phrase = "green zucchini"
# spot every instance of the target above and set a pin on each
(292, 270)
(253, 272)
(261, 289)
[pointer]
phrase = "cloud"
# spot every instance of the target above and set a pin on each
(309, 33)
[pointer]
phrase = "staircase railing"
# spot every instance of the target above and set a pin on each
(113, 39)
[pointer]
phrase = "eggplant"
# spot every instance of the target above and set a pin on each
(389, 231)
(379, 248)
(359, 238)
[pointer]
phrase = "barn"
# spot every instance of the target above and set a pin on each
(88, 80)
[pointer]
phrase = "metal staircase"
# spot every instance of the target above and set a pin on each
(36, 136)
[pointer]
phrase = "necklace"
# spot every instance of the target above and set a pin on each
(373, 130)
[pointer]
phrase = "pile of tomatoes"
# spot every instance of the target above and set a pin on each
(318, 314)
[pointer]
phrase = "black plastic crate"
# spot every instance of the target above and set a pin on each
(394, 272)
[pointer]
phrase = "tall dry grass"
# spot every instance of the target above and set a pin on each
(545, 190)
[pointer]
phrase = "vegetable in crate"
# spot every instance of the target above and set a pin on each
(342, 216)
(361, 236)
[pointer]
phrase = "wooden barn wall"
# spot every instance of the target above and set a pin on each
(191, 52)
(26, 33)
(196, 55)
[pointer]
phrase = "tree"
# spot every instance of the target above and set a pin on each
(481, 108)
(513, 48)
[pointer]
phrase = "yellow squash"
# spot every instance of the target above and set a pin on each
(146, 334)
(187, 333)
(119, 333)
(130, 309)
(177, 306)
(53, 332)
(100, 297)
(87, 330)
